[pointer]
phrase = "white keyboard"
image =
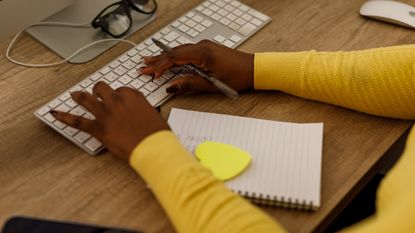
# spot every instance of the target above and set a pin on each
(225, 22)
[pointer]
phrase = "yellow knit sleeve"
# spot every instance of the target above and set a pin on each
(194, 200)
(376, 81)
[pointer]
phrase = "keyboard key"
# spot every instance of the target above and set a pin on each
(225, 21)
(165, 30)
(229, 8)
(137, 84)
(153, 48)
(216, 17)
(173, 44)
(115, 85)
(151, 86)
(132, 52)
(219, 38)
(246, 17)
(145, 53)
(63, 108)
(125, 79)
(247, 29)
(70, 131)
(190, 14)
(223, 12)
(123, 58)
(93, 144)
(65, 96)
(237, 12)
(234, 26)
(198, 18)
(43, 110)
(133, 73)
(258, 15)
(220, 3)
(49, 117)
(86, 83)
(200, 28)
(144, 91)
(129, 64)
(148, 42)
(183, 28)
(76, 88)
(71, 103)
(105, 70)
(81, 137)
(240, 21)
(59, 124)
(168, 74)
(89, 89)
(191, 23)
(145, 78)
(207, 12)
(140, 47)
(115, 64)
(95, 76)
(214, 8)
(183, 40)
(235, 3)
(160, 81)
(54, 103)
(206, 4)
(78, 111)
(235, 38)
(243, 7)
(207, 23)
(175, 24)
(231, 17)
(256, 22)
(200, 8)
(137, 59)
(171, 36)
(183, 19)
(111, 76)
(159, 95)
(229, 44)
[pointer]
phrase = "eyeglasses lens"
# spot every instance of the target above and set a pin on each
(147, 6)
(116, 20)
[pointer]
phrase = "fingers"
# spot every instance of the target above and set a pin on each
(76, 122)
(105, 92)
(197, 54)
(190, 83)
(89, 102)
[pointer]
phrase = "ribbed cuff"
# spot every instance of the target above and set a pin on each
(279, 71)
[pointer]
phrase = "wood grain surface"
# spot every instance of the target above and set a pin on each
(44, 175)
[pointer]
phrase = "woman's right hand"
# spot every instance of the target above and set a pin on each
(232, 67)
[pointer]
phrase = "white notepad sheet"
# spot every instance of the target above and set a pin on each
(286, 157)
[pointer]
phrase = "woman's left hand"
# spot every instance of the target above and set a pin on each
(122, 119)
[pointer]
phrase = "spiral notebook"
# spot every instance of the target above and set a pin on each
(286, 157)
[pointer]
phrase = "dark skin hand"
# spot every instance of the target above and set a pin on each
(123, 117)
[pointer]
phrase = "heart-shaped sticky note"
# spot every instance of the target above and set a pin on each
(224, 160)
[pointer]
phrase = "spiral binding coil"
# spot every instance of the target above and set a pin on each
(275, 201)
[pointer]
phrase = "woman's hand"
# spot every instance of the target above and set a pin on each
(233, 67)
(122, 119)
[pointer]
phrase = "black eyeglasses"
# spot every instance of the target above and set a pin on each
(116, 19)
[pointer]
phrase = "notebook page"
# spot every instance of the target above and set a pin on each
(286, 157)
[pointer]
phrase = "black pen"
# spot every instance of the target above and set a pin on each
(228, 91)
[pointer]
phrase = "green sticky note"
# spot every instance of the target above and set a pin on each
(224, 160)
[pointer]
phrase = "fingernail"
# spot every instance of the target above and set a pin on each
(173, 89)
(53, 112)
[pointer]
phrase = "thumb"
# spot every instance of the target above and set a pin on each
(190, 83)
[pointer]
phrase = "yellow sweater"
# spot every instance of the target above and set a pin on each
(377, 81)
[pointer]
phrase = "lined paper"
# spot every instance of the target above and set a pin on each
(286, 157)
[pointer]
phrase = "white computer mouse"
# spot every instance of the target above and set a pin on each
(390, 11)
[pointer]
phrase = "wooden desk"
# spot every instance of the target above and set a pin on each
(43, 174)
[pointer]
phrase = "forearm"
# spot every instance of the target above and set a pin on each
(194, 200)
(376, 81)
